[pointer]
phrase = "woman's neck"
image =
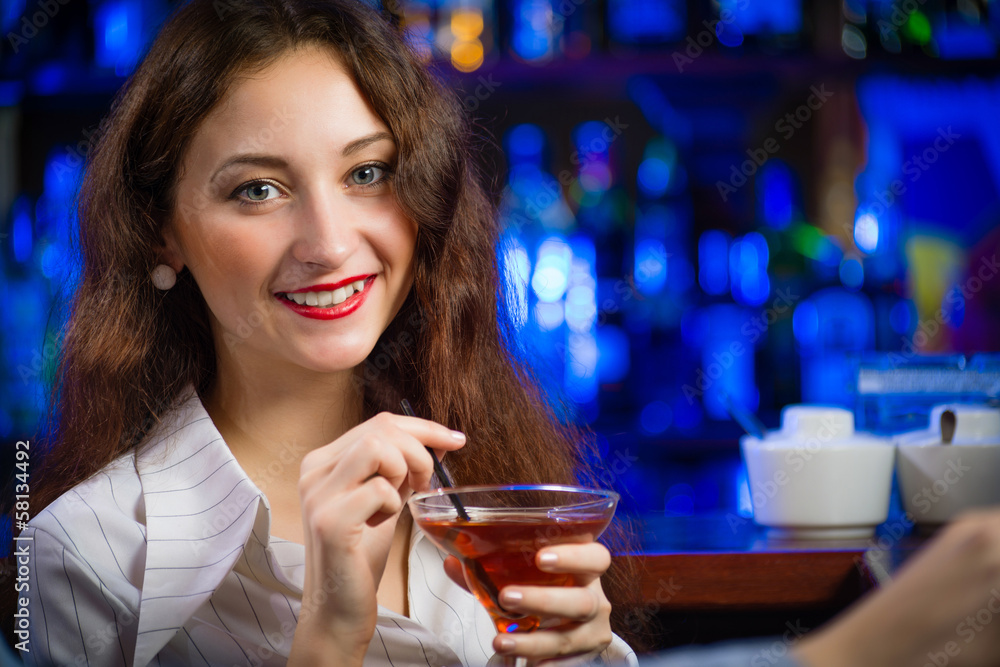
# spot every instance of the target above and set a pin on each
(270, 423)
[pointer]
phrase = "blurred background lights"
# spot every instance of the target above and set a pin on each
(853, 42)
(729, 34)
(467, 49)
(614, 363)
(901, 317)
(654, 177)
(852, 273)
(551, 275)
(713, 253)
(656, 417)
(646, 21)
(22, 234)
(118, 28)
(774, 190)
(748, 260)
(549, 316)
(650, 266)
(805, 324)
(866, 233)
(534, 30)
(525, 143)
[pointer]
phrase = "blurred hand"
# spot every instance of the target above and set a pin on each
(943, 609)
(351, 493)
(576, 620)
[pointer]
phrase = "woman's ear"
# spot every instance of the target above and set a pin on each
(169, 251)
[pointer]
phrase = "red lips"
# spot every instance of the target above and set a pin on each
(343, 309)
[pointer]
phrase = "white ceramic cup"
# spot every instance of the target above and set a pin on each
(938, 479)
(816, 477)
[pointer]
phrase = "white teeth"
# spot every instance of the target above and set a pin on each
(327, 299)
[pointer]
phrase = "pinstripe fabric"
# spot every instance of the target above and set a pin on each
(166, 558)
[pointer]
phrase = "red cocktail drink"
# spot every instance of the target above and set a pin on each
(500, 550)
(507, 526)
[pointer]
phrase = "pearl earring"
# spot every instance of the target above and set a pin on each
(163, 277)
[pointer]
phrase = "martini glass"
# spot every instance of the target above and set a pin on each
(506, 527)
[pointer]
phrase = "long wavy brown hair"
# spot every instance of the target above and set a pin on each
(129, 349)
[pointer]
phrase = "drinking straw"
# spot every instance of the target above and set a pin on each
(438, 468)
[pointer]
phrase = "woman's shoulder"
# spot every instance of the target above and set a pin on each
(113, 498)
(93, 537)
(108, 501)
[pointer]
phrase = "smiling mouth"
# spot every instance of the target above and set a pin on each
(326, 299)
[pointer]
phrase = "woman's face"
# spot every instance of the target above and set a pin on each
(286, 218)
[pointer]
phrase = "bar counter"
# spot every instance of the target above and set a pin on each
(717, 577)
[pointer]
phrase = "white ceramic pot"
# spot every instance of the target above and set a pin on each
(817, 477)
(939, 479)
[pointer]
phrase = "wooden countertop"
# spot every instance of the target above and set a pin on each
(728, 562)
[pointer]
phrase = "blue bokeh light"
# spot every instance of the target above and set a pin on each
(22, 233)
(654, 177)
(764, 18)
(901, 317)
(614, 362)
(729, 34)
(866, 232)
(551, 276)
(646, 21)
(118, 29)
(852, 273)
(805, 324)
(656, 417)
(775, 194)
(748, 260)
(650, 272)
(713, 254)
(525, 143)
(533, 33)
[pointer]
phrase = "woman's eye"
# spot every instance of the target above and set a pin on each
(260, 191)
(255, 193)
(367, 175)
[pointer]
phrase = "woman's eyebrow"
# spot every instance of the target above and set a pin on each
(358, 144)
(271, 161)
(275, 162)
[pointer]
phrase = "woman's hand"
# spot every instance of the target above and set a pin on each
(576, 620)
(351, 493)
(942, 609)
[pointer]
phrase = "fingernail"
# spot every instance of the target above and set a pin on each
(506, 644)
(458, 436)
(548, 559)
(511, 597)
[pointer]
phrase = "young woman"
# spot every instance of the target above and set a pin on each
(283, 235)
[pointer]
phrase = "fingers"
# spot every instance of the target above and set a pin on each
(592, 558)
(584, 609)
(577, 603)
(542, 644)
(429, 433)
(370, 449)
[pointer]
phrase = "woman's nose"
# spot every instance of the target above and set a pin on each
(326, 232)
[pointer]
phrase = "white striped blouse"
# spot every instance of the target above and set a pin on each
(165, 557)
